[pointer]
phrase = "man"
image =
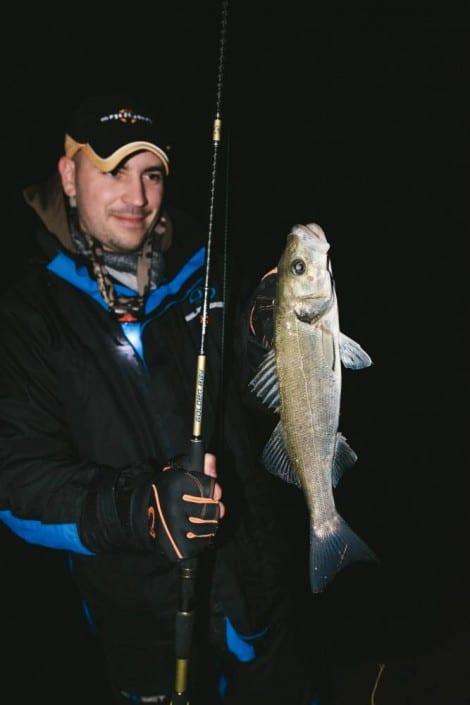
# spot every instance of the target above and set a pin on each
(97, 367)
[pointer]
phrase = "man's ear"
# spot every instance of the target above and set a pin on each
(67, 169)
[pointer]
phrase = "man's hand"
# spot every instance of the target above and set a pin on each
(185, 510)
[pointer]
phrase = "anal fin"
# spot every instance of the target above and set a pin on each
(344, 459)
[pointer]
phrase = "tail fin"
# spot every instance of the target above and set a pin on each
(338, 547)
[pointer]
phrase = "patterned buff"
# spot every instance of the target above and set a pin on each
(142, 270)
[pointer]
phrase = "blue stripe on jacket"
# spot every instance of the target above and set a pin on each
(238, 644)
(60, 536)
(66, 268)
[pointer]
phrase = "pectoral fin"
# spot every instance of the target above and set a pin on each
(352, 355)
(276, 458)
(265, 383)
(344, 459)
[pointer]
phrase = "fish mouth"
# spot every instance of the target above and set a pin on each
(307, 317)
(310, 317)
(310, 297)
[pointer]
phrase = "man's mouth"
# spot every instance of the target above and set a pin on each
(132, 220)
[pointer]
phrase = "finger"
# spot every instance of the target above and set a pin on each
(192, 535)
(217, 494)
(210, 467)
(217, 513)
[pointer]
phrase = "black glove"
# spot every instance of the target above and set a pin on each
(183, 516)
(138, 510)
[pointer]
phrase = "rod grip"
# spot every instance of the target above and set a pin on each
(184, 634)
(196, 455)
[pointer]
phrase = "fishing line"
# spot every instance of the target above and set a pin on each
(376, 684)
(225, 259)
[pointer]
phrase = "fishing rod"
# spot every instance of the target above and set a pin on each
(185, 614)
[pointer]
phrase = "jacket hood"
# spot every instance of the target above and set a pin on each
(48, 201)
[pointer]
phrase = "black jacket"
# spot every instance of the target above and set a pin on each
(83, 398)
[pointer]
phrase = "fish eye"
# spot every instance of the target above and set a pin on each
(298, 266)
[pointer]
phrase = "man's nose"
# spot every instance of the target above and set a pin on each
(134, 192)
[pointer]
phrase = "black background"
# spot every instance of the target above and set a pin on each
(353, 118)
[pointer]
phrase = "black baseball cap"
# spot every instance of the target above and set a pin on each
(109, 128)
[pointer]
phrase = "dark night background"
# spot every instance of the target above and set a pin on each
(355, 119)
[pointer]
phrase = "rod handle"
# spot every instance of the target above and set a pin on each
(184, 634)
(196, 455)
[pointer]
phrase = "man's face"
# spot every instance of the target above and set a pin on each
(118, 208)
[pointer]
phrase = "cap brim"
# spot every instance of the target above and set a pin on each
(110, 162)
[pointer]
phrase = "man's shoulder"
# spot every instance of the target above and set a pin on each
(29, 292)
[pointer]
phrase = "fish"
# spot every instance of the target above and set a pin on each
(300, 380)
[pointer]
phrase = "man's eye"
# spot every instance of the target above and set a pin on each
(156, 176)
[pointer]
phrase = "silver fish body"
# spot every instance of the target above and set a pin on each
(301, 379)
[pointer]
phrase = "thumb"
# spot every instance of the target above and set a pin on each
(210, 467)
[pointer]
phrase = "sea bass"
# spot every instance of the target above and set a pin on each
(300, 378)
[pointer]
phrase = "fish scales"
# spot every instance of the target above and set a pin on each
(309, 408)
